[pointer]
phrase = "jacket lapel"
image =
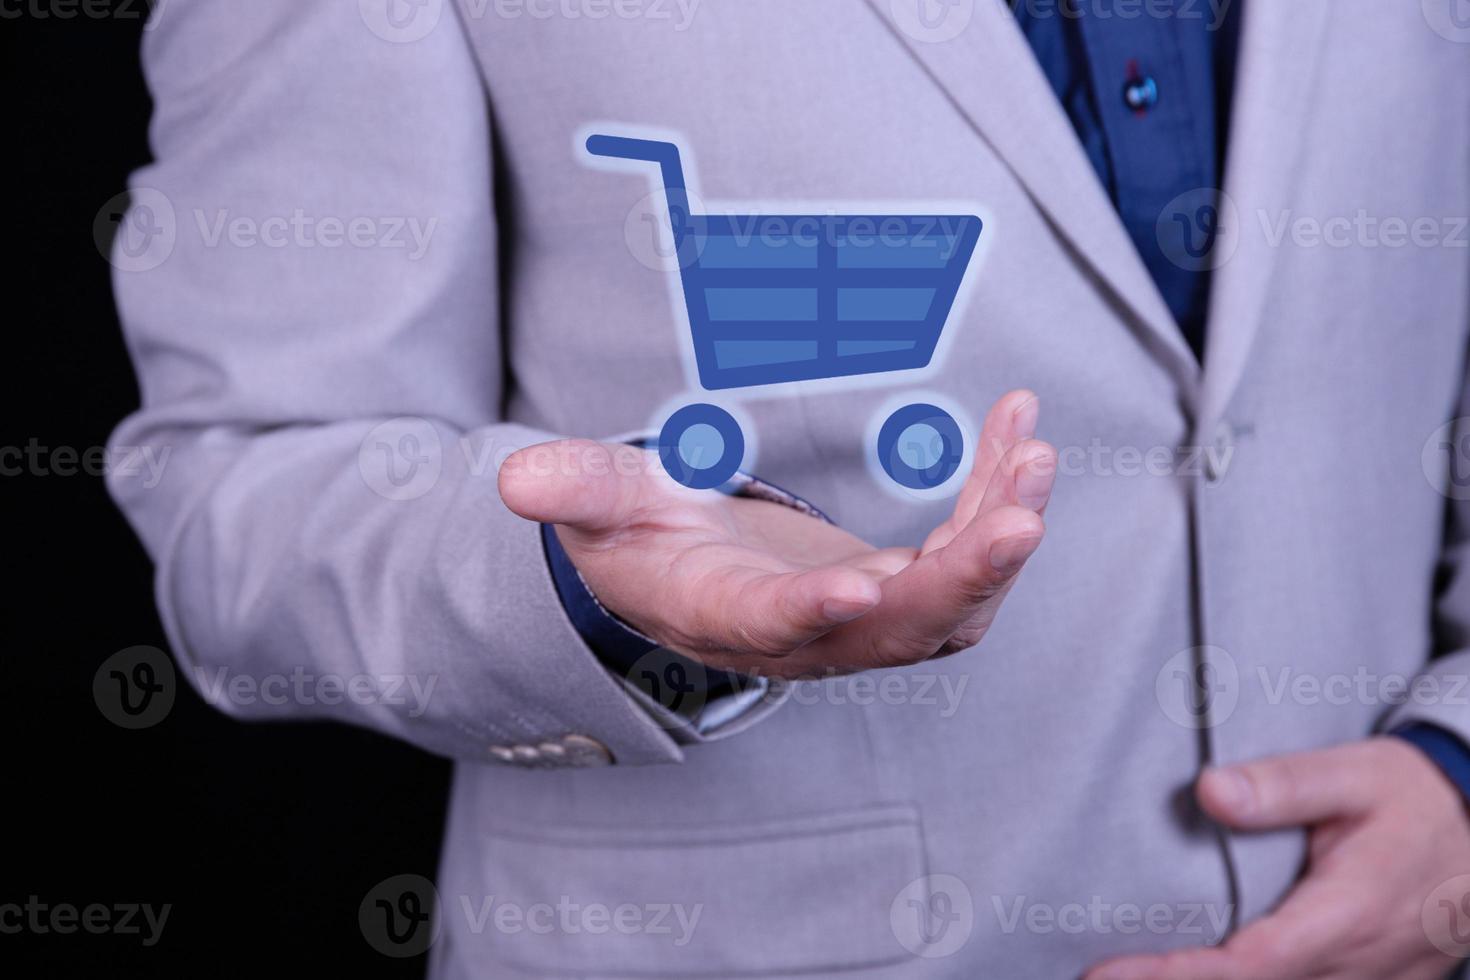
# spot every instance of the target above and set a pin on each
(1280, 51)
(990, 75)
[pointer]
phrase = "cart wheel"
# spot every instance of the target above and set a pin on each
(701, 446)
(920, 446)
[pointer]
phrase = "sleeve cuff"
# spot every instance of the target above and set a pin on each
(1445, 750)
(663, 680)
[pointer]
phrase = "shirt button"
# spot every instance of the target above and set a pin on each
(1140, 94)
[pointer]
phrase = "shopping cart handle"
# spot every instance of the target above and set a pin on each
(666, 155)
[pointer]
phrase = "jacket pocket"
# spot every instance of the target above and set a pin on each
(804, 895)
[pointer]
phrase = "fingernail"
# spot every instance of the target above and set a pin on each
(1008, 554)
(1023, 419)
(1033, 484)
(845, 610)
(1232, 788)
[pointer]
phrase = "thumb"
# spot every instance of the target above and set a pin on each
(587, 485)
(1288, 790)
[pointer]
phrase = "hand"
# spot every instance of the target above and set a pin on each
(752, 586)
(1386, 830)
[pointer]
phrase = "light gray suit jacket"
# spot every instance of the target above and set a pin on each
(377, 265)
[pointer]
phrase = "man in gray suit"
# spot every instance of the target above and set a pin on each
(390, 329)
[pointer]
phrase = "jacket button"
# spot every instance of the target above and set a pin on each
(584, 752)
(1217, 456)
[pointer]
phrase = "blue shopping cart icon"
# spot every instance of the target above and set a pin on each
(776, 298)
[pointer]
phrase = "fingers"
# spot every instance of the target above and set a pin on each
(925, 602)
(744, 611)
(947, 598)
(1010, 420)
(1190, 964)
(1299, 939)
(586, 485)
(1289, 790)
(1024, 476)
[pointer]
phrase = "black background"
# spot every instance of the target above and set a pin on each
(264, 839)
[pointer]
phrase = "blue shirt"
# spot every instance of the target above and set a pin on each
(1149, 97)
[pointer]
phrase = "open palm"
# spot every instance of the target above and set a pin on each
(749, 585)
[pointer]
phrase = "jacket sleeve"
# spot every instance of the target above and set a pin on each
(307, 282)
(1440, 694)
